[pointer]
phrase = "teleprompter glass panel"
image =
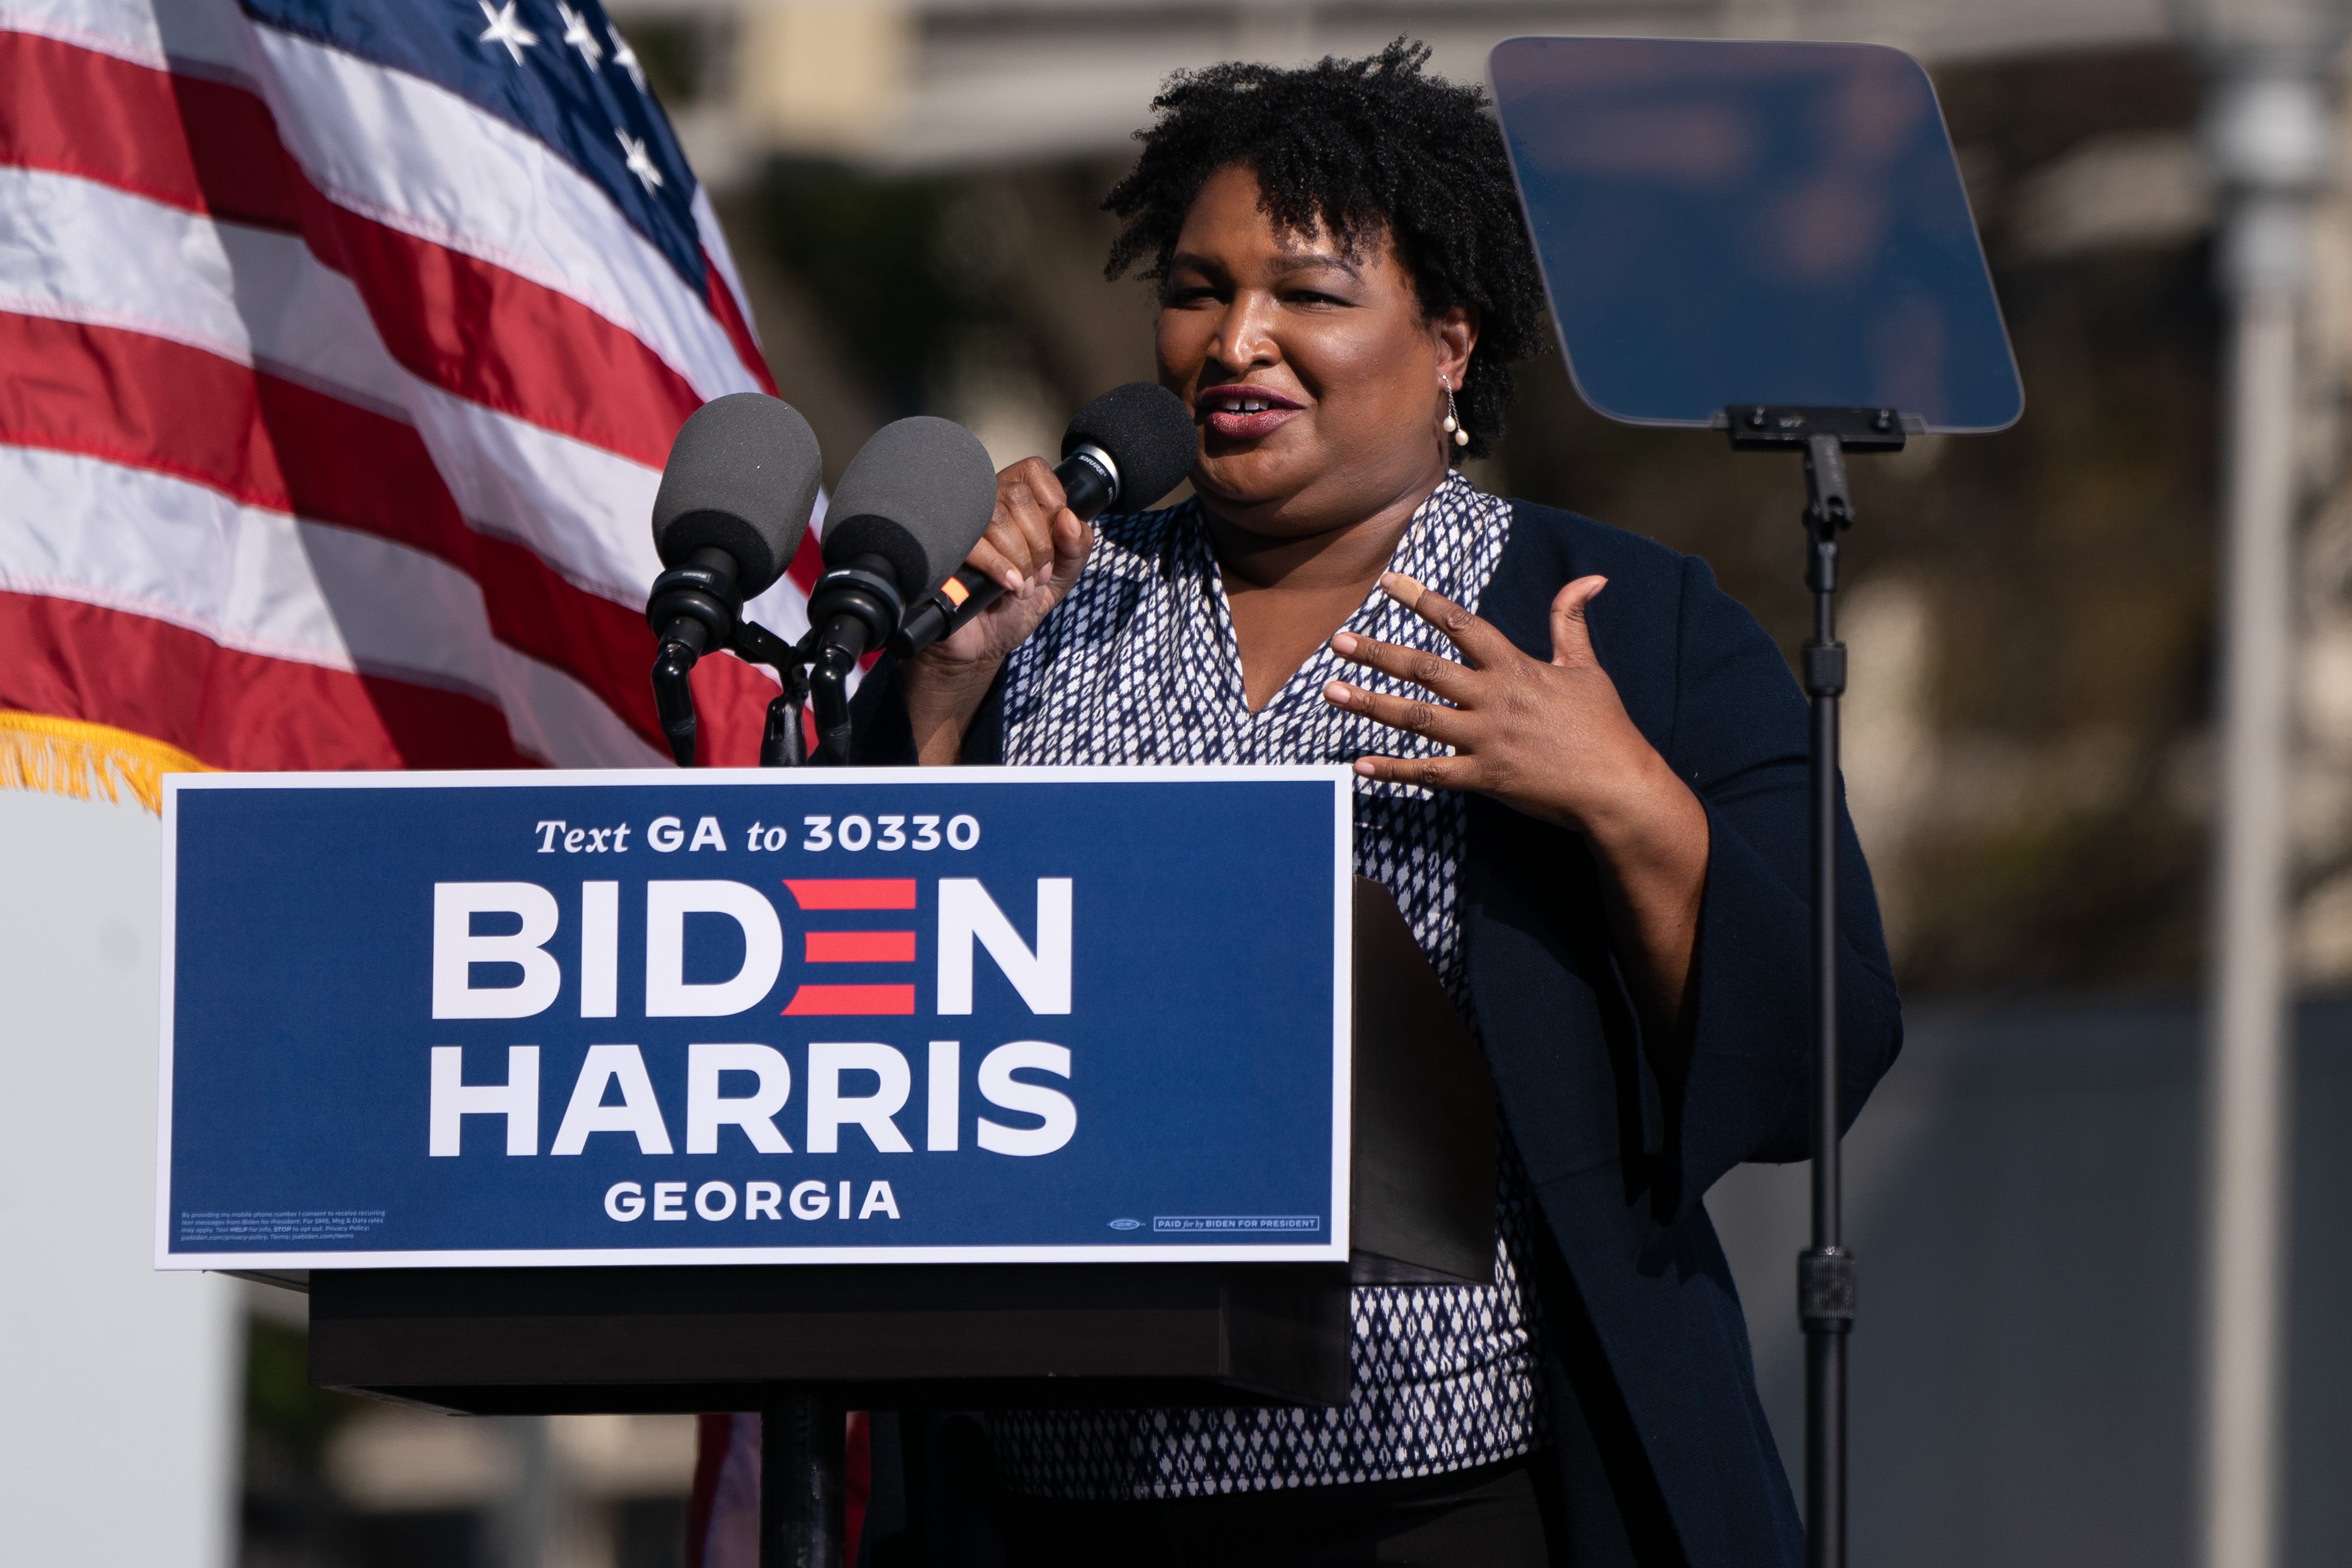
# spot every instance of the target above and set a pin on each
(1730, 222)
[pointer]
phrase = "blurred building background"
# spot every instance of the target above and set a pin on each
(911, 190)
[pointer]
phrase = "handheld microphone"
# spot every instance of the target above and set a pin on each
(734, 502)
(1131, 445)
(912, 504)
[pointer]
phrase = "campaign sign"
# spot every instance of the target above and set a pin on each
(823, 1015)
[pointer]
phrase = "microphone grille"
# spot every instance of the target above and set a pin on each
(919, 494)
(742, 476)
(1147, 432)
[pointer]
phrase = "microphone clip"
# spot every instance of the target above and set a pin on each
(853, 606)
(697, 603)
(696, 606)
(863, 590)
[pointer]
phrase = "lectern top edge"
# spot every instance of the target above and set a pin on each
(976, 775)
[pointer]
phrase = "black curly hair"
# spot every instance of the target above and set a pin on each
(1367, 147)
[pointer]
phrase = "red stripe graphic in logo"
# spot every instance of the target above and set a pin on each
(853, 947)
(846, 893)
(861, 947)
(841, 1001)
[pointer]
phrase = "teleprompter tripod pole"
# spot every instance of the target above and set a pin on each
(1825, 1272)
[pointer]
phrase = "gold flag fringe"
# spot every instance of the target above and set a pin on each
(70, 757)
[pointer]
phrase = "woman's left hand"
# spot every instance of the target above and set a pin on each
(1552, 741)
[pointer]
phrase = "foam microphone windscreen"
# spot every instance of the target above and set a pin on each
(743, 477)
(919, 495)
(1147, 432)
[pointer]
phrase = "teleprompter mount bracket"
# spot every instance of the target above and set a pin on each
(1765, 427)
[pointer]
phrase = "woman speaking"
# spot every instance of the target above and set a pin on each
(1580, 769)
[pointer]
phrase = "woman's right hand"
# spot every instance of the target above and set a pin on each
(1036, 546)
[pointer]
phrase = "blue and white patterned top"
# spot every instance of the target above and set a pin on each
(1139, 665)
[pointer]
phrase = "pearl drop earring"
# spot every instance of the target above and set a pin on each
(1452, 424)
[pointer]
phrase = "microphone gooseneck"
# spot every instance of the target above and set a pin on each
(1131, 445)
(853, 609)
(694, 609)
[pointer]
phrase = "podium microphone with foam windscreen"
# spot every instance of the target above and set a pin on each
(1129, 447)
(734, 501)
(914, 501)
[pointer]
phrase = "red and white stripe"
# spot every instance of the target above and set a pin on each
(331, 409)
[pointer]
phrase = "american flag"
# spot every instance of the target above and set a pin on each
(341, 345)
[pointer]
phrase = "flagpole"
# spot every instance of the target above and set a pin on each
(2267, 131)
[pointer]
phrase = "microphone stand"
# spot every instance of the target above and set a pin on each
(1826, 1271)
(783, 743)
(803, 1462)
(696, 606)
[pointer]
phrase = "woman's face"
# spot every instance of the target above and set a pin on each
(1312, 374)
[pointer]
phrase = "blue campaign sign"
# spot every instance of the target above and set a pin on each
(831, 1016)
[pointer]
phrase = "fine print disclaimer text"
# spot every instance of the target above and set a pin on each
(277, 1225)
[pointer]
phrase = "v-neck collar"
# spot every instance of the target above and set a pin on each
(1220, 644)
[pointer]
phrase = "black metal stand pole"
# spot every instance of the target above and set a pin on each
(803, 1465)
(804, 1474)
(803, 1468)
(1825, 1272)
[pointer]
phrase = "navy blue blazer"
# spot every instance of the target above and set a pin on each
(1619, 1154)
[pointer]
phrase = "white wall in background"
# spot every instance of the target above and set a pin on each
(119, 1386)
